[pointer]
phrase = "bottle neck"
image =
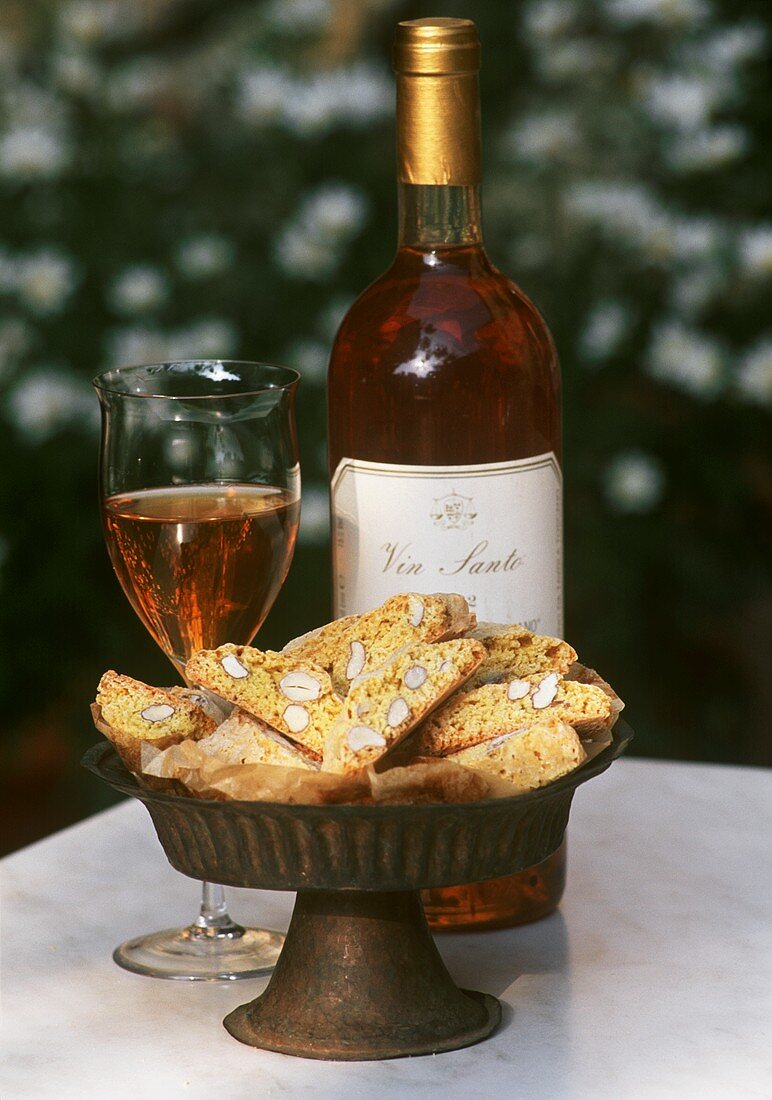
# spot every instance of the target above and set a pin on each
(438, 159)
(437, 216)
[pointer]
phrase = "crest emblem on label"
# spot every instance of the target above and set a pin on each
(453, 512)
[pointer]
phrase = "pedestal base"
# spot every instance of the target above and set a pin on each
(360, 978)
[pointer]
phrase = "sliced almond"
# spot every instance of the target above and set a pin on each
(157, 712)
(364, 737)
(198, 700)
(415, 610)
(491, 746)
(398, 712)
(233, 666)
(415, 677)
(296, 717)
(518, 689)
(546, 691)
(300, 686)
(447, 666)
(356, 661)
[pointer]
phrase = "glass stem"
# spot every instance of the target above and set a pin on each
(214, 919)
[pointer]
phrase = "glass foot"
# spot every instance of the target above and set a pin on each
(197, 954)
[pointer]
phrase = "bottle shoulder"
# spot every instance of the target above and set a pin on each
(433, 309)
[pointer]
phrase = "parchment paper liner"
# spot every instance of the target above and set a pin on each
(207, 776)
(184, 768)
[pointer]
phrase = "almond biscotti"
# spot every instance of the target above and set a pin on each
(292, 694)
(527, 758)
(384, 705)
(515, 652)
(135, 712)
(495, 709)
(242, 739)
(583, 675)
(348, 647)
(334, 634)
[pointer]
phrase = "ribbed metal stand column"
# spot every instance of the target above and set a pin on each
(360, 978)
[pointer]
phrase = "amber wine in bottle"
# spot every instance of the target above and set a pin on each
(444, 413)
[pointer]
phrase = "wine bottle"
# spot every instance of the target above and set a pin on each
(444, 413)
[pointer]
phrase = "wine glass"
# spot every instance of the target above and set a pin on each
(200, 500)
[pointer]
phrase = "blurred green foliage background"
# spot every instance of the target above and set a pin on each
(215, 178)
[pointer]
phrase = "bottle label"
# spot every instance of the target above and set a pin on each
(493, 533)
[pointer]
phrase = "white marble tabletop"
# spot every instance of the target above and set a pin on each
(654, 979)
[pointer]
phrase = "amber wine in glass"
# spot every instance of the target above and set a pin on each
(200, 499)
(201, 564)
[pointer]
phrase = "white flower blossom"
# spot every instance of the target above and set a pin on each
(310, 357)
(204, 256)
(696, 239)
(549, 135)
(314, 514)
(45, 280)
(686, 359)
(529, 251)
(683, 100)
(136, 84)
(209, 338)
(264, 94)
(575, 60)
(727, 49)
(335, 210)
(47, 400)
(634, 482)
(666, 13)
(606, 327)
(755, 251)
(33, 152)
(15, 340)
(77, 73)
(135, 344)
(311, 244)
(630, 214)
(138, 289)
(10, 53)
(298, 16)
(754, 374)
(92, 22)
(353, 95)
(26, 103)
(303, 256)
(690, 291)
(624, 212)
(548, 19)
(7, 272)
(329, 320)
(706, 149)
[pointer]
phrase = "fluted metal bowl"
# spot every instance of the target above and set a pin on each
(278, 846)
(357, 870)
